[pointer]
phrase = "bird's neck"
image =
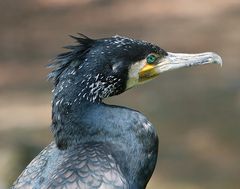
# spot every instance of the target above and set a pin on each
(132, 139)
(76, 97)
(69, 117)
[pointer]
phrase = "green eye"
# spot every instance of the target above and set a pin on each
(151, 59)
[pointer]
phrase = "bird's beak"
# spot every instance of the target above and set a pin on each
(174, 61)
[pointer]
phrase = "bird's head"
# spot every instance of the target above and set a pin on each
(109, 66)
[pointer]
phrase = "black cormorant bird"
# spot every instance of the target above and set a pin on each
(96, 145)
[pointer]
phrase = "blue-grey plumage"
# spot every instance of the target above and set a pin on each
(98, 145)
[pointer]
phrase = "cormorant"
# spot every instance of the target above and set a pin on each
(96, 145)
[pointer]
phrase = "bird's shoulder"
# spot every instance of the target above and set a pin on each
(88, 165)
(35, 169)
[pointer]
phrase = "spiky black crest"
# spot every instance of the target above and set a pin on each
(77, 52)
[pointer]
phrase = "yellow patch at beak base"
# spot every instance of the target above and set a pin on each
(147, 72)
(147, 67)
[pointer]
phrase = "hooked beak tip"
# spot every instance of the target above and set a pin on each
(216, 59)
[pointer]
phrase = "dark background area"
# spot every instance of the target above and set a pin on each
(196, 111)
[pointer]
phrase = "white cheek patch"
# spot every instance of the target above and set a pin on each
(133, 73)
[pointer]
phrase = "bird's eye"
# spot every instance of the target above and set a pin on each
(151, 59)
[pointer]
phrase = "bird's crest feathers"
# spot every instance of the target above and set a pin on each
(76, 52)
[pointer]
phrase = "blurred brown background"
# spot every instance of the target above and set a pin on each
(196, 111)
